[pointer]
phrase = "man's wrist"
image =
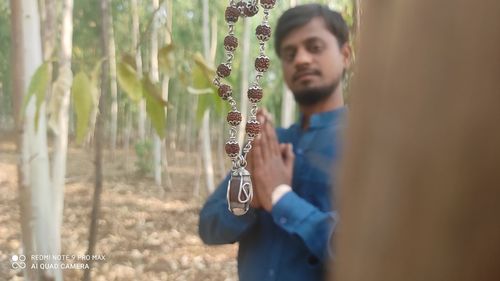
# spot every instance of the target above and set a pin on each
(279, 192)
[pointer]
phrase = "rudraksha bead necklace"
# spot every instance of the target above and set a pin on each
(239, 191)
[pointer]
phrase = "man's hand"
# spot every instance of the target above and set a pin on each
(255, 203)
(270, 163)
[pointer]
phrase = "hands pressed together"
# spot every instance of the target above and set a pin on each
(269, 163)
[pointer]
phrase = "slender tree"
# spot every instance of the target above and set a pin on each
(19, 88)
(155, 78)
(287, 102)
(165, 85)
(34, 154)
(206, 150)
(141, 120)
(113, 84)
(245, 67)
(62, 94)
(96, 201)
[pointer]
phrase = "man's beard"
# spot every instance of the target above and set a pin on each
(313, 96)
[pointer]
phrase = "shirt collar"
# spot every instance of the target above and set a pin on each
(322, 119)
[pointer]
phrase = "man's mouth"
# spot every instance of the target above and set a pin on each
(305, 74)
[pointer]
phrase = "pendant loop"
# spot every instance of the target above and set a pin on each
(239, 192)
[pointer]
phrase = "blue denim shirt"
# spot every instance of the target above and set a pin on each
(292, 241)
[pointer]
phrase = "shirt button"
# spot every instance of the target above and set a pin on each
(271, 272)
(299, 151)
(283, 220)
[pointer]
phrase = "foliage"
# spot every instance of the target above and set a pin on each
(202, 75)
(38, 88)
(83, 104)
(128, 80)
(155, 106)
(190, 89)
(136, 89)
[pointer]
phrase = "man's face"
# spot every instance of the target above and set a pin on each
(312, 61)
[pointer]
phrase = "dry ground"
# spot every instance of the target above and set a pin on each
(144, 234)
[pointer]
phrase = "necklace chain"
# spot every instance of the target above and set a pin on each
(235, 10)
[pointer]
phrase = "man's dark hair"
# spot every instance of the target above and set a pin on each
(302, 14)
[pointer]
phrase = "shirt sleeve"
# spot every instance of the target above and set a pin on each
(217, 225)
(299, 217)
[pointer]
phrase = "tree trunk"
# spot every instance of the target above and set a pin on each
(155, 78)
(61, 140)
(245, 67)
(141, 120)
(287, 100)
(207, 152)
(48, 19)
(420, 193)
(35, 157)
(205, 129)
(287, 108)
(114, 86)
(18, 86)
(126, 137)
(165, 90)
(141, 116)
(220, 133)
(96, 202)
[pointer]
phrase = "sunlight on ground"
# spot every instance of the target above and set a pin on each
(144, 234)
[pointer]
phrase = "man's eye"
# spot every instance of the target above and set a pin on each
(315, 48)
(288, 56)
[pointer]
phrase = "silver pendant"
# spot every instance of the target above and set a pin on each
(239, 192)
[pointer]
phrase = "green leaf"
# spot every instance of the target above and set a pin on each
(155, 106)
(128, 80)
(203, 75)
(130, 60)
(207, 70)
(166, 59)
(153, 90)
(83, 103)
(38, 88)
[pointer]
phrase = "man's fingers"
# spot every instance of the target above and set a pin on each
(257, 155)
(262, 139)
(287, 151)
(271, 139)
(289, 155)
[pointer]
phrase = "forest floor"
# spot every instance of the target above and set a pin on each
(144, 233)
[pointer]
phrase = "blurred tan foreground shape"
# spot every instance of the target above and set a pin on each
(420, 185)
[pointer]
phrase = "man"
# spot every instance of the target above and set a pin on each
(286, 233)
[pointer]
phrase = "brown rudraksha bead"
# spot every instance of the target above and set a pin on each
(263, 32)
(223, 70)
(252, 128)
(267, 4)
(232, 148)
(232, 14)
(225, 91)
(234, 118)
(241, 7)
(230, 43)
(262, 63)
(251, 10)
(255, 94)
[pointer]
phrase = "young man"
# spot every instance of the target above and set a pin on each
(286, 234)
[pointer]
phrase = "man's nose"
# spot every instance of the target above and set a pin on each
(302, 57)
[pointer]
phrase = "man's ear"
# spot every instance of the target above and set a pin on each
(346, 52)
